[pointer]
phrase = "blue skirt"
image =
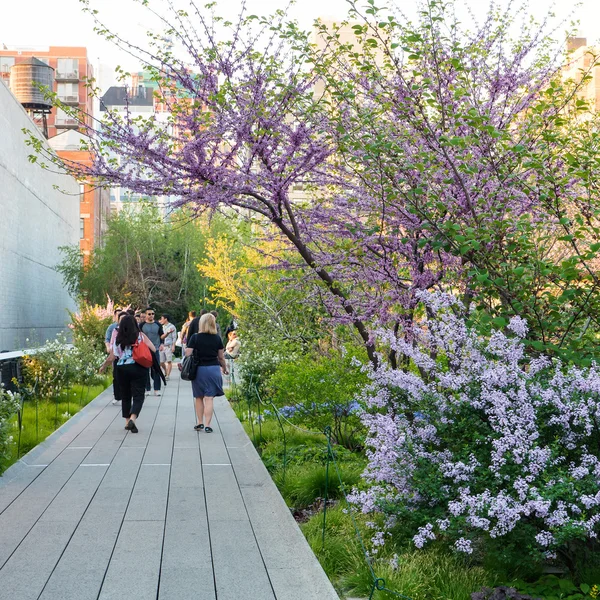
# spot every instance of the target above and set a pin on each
(208, 382)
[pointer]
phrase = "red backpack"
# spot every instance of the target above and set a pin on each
(141, 353)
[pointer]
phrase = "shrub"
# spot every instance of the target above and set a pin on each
(9, 406)
(321, 391)
(57, 365)
(478, 443)
(90, 324)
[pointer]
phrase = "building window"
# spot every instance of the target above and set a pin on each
(67, 68)
(6, 62)
(68, 92)
(81, 192)
(64, 120)
(81, 228)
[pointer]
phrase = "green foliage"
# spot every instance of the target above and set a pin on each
(145, 261)
(40, 419)
(9, 405)
(302, 485)
(551, 587)
(57, 365)
(433, 574)
(321, 391)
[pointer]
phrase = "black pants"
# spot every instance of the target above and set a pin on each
(132, 384)
(155, 375)
(116, 388)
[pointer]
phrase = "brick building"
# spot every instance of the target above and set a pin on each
(94, 203)
(72, 69)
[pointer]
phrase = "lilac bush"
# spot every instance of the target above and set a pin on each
(477, 441)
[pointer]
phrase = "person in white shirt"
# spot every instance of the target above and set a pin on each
(169, 337)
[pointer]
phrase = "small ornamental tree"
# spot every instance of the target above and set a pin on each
(479, 442)
(429, 156)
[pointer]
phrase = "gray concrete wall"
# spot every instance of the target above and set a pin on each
(35, 219)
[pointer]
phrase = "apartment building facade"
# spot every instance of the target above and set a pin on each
(136, 97)
(72, 70)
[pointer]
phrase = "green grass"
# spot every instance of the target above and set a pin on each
(431, 574)
(301, 485)
(50, 414)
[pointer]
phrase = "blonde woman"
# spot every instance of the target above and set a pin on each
(207, 348)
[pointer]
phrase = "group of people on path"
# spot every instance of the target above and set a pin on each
(135, 339)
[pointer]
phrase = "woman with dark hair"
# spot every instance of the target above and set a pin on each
(131, 376)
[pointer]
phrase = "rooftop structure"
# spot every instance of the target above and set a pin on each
(71, 70)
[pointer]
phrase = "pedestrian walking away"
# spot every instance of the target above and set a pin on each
(207, 348)
(154, 331)
(215, 314)
(169, 338)
(131, 375)
(116, 389)
(107, 344)
(184, 330)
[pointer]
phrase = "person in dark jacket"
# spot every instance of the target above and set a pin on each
(155, 332)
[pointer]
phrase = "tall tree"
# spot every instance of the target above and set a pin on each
(144, 261)
(432, 157)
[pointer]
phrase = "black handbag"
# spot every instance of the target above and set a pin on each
(189, 366)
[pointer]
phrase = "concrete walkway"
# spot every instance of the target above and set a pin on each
(95, 512)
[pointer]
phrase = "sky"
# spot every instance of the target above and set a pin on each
(62, 22)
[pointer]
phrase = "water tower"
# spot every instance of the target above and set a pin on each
(25, 80)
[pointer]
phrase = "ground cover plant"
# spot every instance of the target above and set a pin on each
(38, 419)
(57, 380)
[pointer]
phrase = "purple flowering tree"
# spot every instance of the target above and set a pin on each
(428, 157)
(482, 443)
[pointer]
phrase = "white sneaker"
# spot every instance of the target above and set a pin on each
(116, 403)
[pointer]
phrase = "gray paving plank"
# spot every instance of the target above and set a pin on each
(25, 574)
(65, 511)
(223, 498)
(239, 569)
(81, 569)
(186, 504)
(186, 470)
(212, 446)
(149, 498)
(22, 514)
(134, 569)
(13, 486)
(185, 436)
(74, 498)
(186, 570)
